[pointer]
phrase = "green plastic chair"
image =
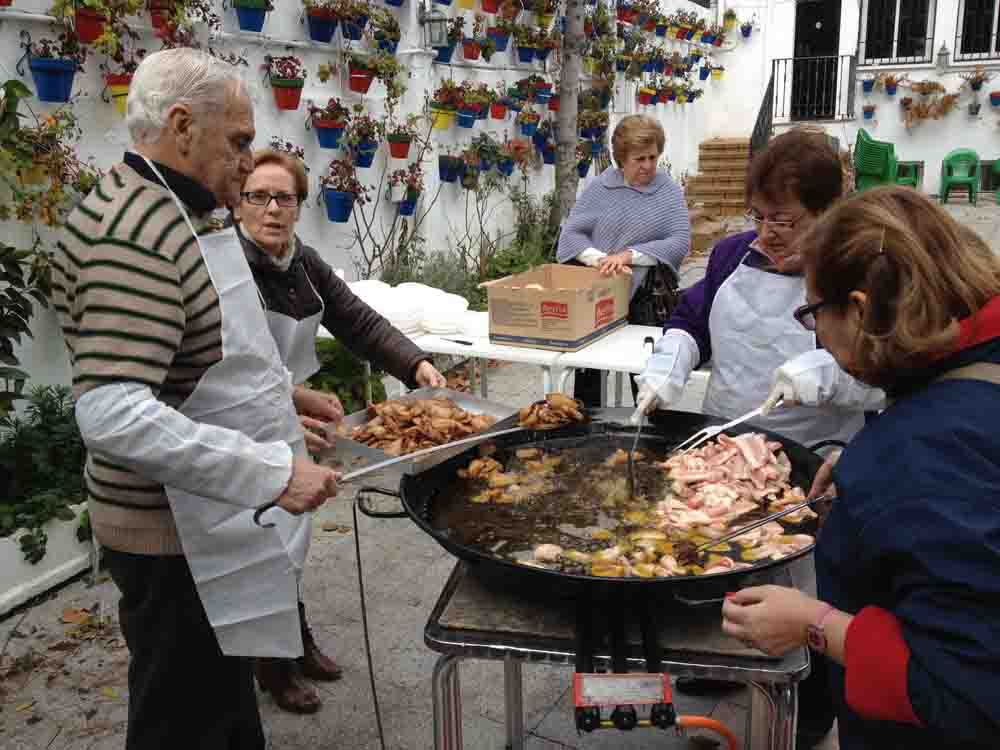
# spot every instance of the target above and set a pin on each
(960, 168)
(996, 173)
(909, 178)
(874, 162)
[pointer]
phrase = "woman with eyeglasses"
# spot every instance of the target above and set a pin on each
(908, 606)
(299, 291)
(739, 316)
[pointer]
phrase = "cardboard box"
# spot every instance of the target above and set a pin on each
(556, 307)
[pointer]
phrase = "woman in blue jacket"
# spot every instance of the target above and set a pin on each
(908, 561)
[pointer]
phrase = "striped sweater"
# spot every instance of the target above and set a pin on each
(136, 304)
(611, 215)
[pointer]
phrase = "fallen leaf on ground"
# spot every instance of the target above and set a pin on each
(338, 528)
(73, 616)
(64, 646)
(25, 706)
(110, 693)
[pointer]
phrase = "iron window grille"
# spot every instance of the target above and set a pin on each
(897, 32)
(977, 36)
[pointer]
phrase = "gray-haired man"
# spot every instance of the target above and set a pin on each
(186, 411)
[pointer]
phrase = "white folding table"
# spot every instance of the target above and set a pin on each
(619, 352)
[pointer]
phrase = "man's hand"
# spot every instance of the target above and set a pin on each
(311, 485)
(315, 433)
(427, 376)
(771, 618)
(321, 406)
(612, 265)
(823, 481)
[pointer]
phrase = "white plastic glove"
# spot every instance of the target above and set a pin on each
(815, 379)
(666, 373)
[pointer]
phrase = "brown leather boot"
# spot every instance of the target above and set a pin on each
(280, 678)
(314, 663)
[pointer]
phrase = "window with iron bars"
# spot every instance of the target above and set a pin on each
(897, 32)
(977, 37)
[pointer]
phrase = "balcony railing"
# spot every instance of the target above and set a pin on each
(977, 36)
(814, 88)
(765, 121)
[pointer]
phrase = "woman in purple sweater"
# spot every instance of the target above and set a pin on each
(629, 219)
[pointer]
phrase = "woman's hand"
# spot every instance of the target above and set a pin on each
(823, 481)
(325, 407)
(427, 376)
(612, 265)
(315, 433)
(771, 618)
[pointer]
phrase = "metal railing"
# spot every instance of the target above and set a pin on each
(897, 32)
(976, 34)
(814, 88)
(765, 120)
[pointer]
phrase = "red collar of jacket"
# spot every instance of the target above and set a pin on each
(979, 327)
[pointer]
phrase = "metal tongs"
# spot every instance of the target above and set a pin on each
(708, 433)
(379, 465)
(646, 342)
(767, 519)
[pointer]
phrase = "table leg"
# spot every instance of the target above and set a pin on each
(563, 377)
(483, 367)
(546, 381)
(447, 703)
(604, 389)
(513, 703)
(781, 702)
(618, 389)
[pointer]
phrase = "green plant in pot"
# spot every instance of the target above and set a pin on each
(343, 373)
(363, 130)
(386, 68)
(408, 182)
(384, 29)
(401, 134)
(448, 96)
(102, 23)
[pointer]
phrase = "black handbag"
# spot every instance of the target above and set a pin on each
(655, 299)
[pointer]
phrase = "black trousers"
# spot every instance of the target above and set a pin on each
(184, 694)
(587, 387)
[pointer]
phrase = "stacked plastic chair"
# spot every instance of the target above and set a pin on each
(961, 168)
(874, 162)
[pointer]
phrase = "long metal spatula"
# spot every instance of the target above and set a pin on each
(631, 460)
(767, 519)
(379, 465)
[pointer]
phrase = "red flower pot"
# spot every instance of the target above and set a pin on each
(645, 98)
(470, 49)
(682, 33)
(399, 149)
(89, 25)
(159, 13)
(287, 92)
(554, 104)
(650, 25)
(498, 110)
(361, 80)
(5, 3)
(491, 6)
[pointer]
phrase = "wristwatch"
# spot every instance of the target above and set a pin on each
(816, 634)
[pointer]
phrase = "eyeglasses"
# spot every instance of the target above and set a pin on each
(778, 226)
(806, 315)
(258, 198)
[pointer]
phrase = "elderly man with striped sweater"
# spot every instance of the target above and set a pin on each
(185, 409)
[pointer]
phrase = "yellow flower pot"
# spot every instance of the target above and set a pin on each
(717, 75)
(682, 98)
(466, 4)
(729, 24)
(442, 119)
(119, 95)
(589, 66)
(545, 19)
(672, 31)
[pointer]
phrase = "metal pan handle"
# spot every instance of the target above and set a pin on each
(363, 501)
(827, 444)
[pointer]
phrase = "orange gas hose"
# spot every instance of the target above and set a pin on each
(703, 722)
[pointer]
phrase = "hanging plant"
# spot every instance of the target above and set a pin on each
(729, 18)
(321, 18)
(353, 15)
(329, 122)
(746, 29)
(251, 13)
(871, 82)
(401, 134)
(187, 16)
(54, 63)
(279, 144)
(407, 184)
(976, 78)
(342, 190)
(926, 88)
(362, 136)
(384, 30)
(118, 72)
(869, 110)
(287, 76)
(891, 81)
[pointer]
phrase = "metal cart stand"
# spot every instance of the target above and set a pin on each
(471, 621)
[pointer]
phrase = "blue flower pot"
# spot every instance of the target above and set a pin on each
(448, 168)
(466, 118)
(364, 155)
(528, 128)
(746, 31)
(542, 53)
(353, 28)
(53, 78)
(588, 132)
(621, 65)
(338, 205)
(659, 65)
(549, 154)
(869, 114)
(328, 137)
(648, 67)
(482, 114)
(583, 167)
(444, 54)
(704, 73)
(994, 100)
(408, 206)
(539, 139)
(505, 167)
(890, 89)
(500, 40)
(321, 28)
(661, 29)
(596, 147)
(526, 54)
(250, 19)
(394, 3)
(516, 105)
(542, 96)
(443, 2)
(868, 86)
(388, 45)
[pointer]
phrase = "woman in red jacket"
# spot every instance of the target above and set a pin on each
(908, 614)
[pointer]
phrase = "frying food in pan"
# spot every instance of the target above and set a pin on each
(399, 427)
(555, 411)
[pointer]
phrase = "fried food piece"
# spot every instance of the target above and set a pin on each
(400, 426)
(555, 411)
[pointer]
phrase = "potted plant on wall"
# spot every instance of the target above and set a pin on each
(995, 98)
(401, 134)
(321, 19)
(729, 19)
(869, 111)
(408, 183)
(54, 63)
(287, 76)
(362, 137)
(98, 21)
(891, 82)
(871, 82)
(444, 104)
(386, 68)
(342, 190)
(528, 119)
(926, 88)
(456, 33)
(385, 30)
(500, 33)
(746, 29)
(353, 15)
(546, 41)
(118, 72)
(329, 122)
(470, 169)
(250, 14)
(449, 165)
(360, 72)
(975, 79)
(524, 38)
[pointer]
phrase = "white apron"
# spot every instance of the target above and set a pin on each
(245, 577)
(753, 333)
(296, 342)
